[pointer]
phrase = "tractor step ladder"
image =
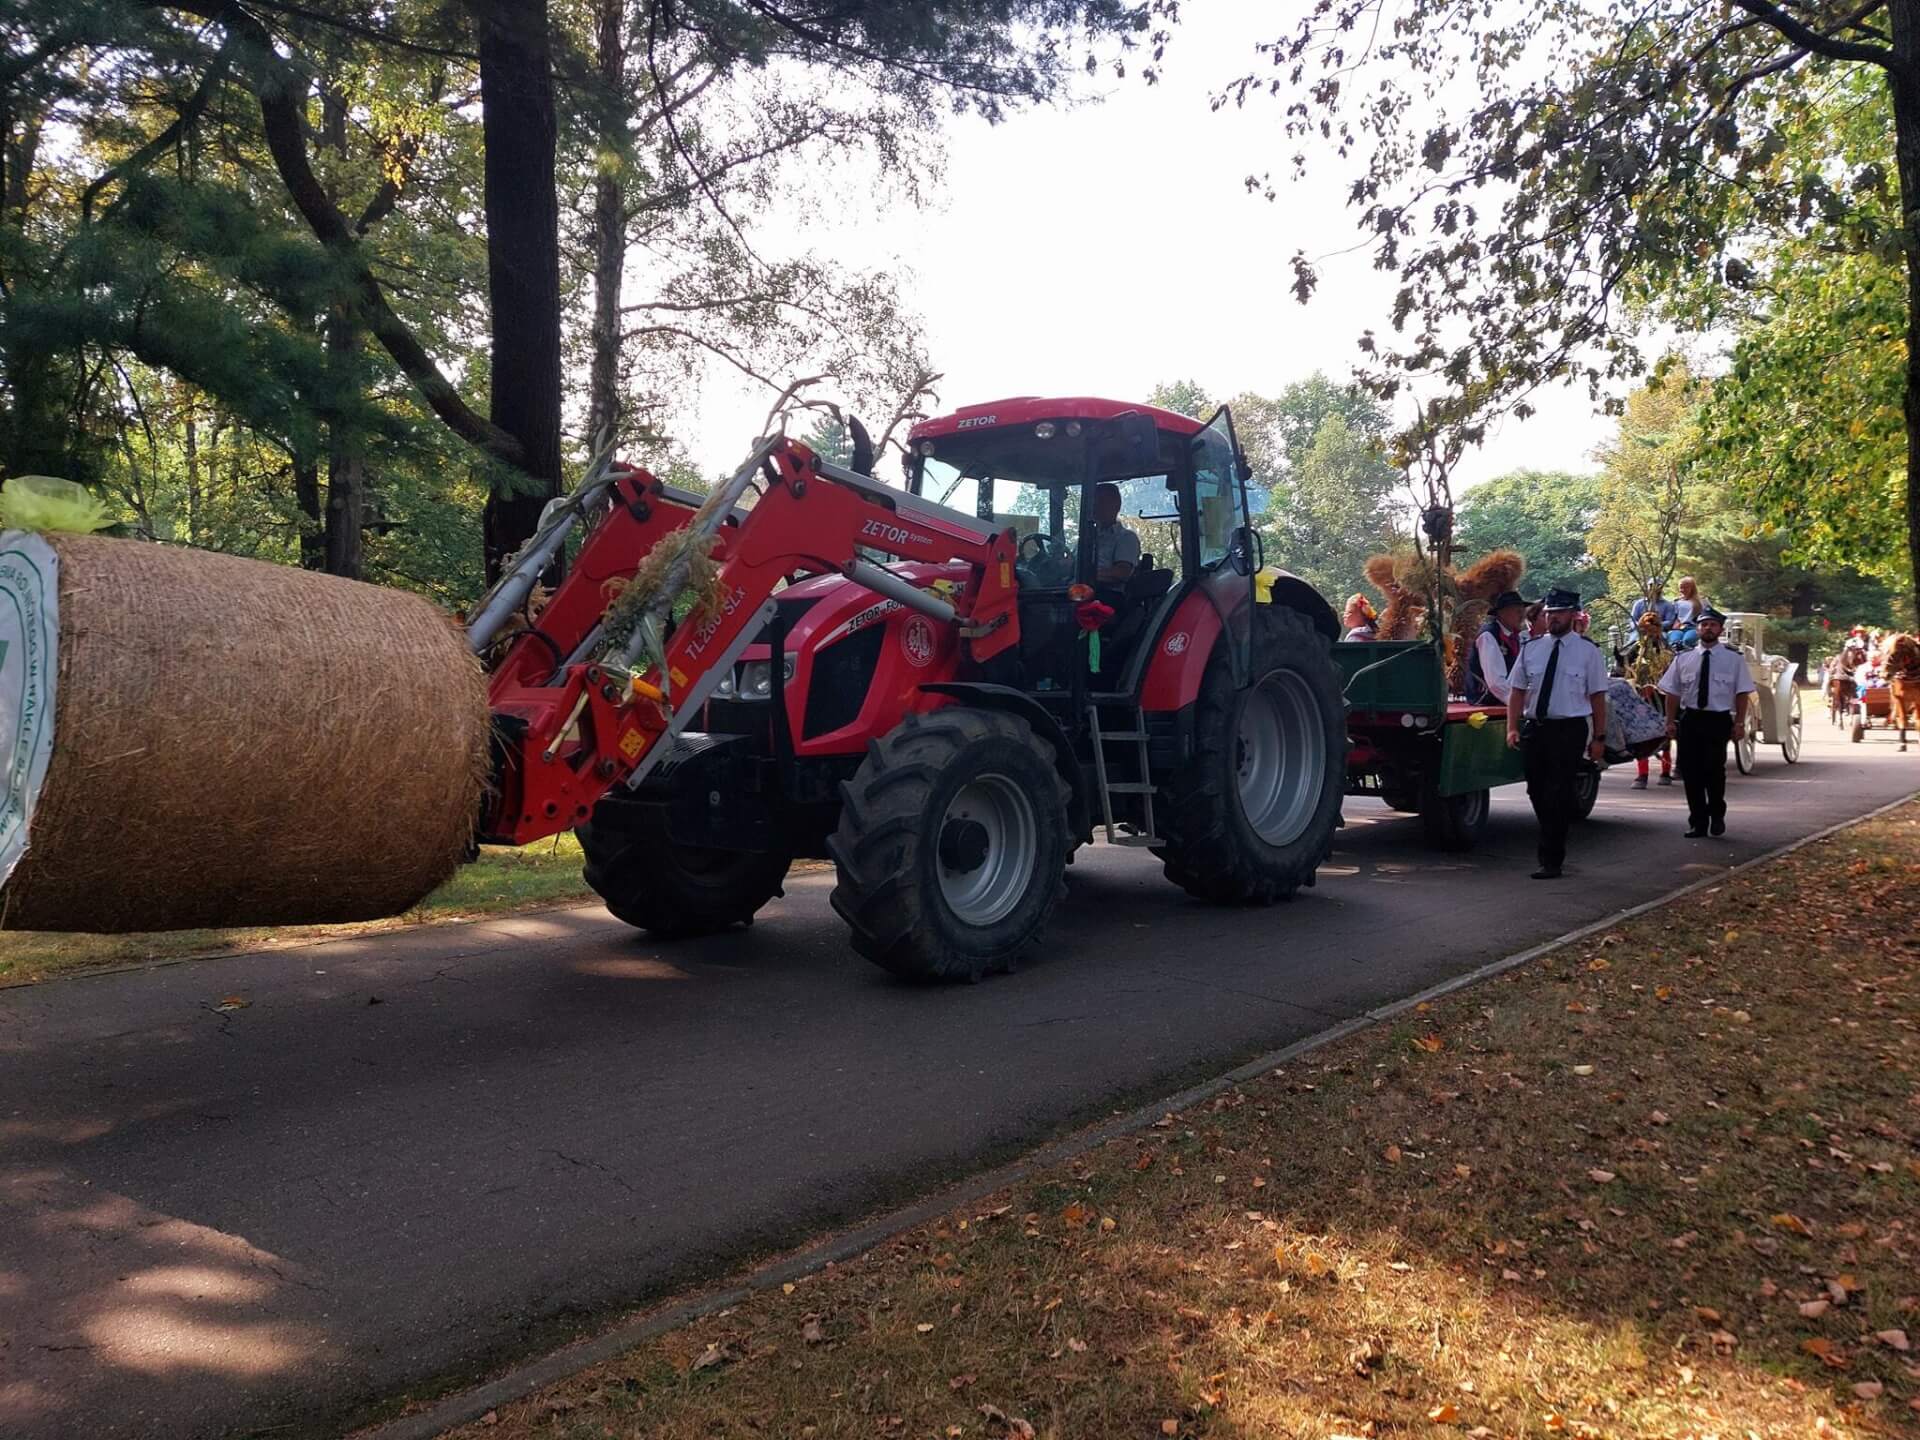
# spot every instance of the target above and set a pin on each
(1109, 788)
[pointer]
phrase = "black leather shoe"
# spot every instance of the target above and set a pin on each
(1547, 872)
(1716, 827)
(1696, 834)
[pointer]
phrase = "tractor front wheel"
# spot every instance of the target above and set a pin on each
(1249, 818)
(673, 891)
(952, 844)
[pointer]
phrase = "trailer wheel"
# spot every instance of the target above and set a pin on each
(1586, 790)
(952, 844)
(1455, 822)
(1250, 817)
(1407, 802)
(670, 890)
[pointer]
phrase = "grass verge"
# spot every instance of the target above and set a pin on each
(1662, 1182)
(500, 881)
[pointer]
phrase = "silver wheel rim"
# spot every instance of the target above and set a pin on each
(1790, 745)
(989, 842)
(1280, 757)
(1745, 746)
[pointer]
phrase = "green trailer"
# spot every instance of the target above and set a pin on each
(1422, 752)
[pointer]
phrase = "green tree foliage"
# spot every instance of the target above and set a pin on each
(1546, 515)
(244, 288)
(1615, 162)
(1806, 426)
(1663, 513)
(1649, 502)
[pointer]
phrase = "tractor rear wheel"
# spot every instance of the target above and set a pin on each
(952, 844)
(670, 890)
(1249, 818)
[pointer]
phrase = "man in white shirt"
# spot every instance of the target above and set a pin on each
(1557, 689)
(1495, 649)
(1116, 549)
(1706, 689)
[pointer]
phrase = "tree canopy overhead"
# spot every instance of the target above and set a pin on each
(268, 243)
(1544, 179)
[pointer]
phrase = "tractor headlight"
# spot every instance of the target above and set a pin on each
(1045, 430)
(724, 690)
(756, 678)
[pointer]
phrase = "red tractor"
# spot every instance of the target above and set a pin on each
(941, 688)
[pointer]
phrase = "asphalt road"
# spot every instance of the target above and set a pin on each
(411, 1152)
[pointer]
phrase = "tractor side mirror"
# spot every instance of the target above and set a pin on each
(1245, 552)
(1126, 445)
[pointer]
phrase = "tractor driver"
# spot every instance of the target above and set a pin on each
(1116, 549)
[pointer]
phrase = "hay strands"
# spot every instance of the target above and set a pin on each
(686, 557)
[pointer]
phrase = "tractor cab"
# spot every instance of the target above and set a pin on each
(1120, 511)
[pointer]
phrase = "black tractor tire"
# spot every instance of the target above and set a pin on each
(1586, 790)
(1213, 849)
(1454, 822)
(919, 817)
(670, 890)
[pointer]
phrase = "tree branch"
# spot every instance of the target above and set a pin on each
(1808, 38)
(189, 113)
(282, 95)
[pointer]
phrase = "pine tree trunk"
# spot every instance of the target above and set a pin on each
(306, 494)
(1904, 78)
(609, 237)
(191, 445)
(346, 465)
(523, 260)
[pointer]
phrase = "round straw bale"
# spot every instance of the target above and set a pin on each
(238, 743)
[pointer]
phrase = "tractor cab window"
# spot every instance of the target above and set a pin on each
(1216, 490)
(1026, 479)
(1149, 514)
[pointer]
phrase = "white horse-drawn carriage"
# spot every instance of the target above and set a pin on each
(1773, 716)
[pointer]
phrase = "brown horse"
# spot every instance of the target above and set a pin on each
(1903, 682)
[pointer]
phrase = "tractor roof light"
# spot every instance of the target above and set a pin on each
(1045, 430)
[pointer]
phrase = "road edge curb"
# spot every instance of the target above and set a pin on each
(471, 1404)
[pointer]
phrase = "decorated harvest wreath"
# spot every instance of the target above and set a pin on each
(1408, 580)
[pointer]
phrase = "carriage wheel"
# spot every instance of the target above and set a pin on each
(1746, 745)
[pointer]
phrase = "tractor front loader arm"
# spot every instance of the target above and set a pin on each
(576, 713)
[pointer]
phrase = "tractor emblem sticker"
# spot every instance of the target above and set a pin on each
(1177, 643)
(917, 642)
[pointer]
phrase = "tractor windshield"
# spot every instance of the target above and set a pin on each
(1027, 480)
(1030, 480)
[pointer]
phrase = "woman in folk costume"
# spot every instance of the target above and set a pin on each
(1650, 660)
(1360, 621)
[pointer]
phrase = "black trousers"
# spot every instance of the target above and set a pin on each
(1552, 751)
(1703, 763)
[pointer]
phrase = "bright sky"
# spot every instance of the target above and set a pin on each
(1106, 248)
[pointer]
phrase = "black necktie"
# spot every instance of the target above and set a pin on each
(1541, 710)
(1706, 657)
